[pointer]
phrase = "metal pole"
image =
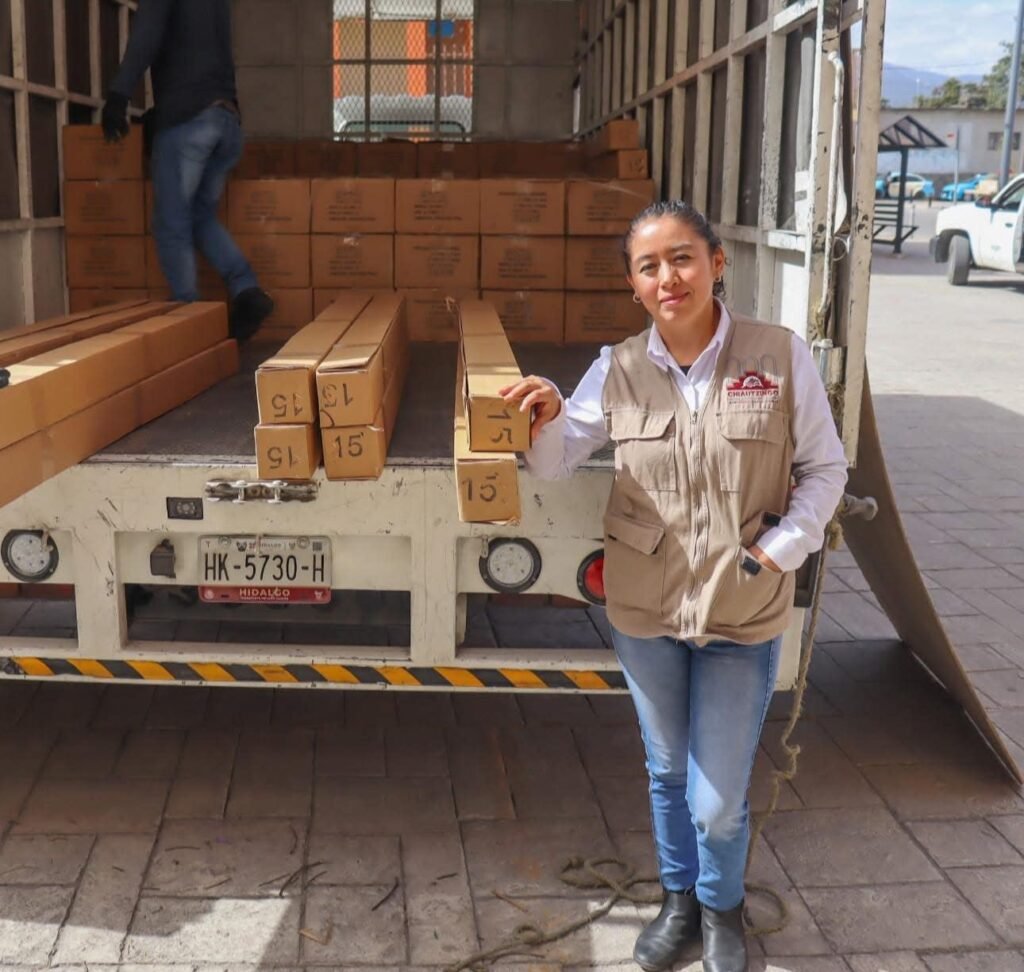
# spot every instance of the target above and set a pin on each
(1012, 98)
(901, 202)
(956, 165)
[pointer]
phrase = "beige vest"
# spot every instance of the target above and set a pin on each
(691, 491)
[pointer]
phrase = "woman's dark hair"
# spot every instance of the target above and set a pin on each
(685, 213)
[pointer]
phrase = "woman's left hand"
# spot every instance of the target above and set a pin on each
(763, 558)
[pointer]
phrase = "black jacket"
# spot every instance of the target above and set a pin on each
(187, 44)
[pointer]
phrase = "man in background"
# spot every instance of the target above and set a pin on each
(196, 142)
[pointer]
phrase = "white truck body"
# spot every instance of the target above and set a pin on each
(992, 228)
(749, 115)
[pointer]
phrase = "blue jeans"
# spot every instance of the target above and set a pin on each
(190, 166)
(701, 711)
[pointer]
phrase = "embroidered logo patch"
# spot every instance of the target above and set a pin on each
(752, 386)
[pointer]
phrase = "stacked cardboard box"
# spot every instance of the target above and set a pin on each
(487, 431)
(287, 437)
(64, 403)
(359, 388)
(615, 152)
(270, 221)
(104, 206)
(437, 248)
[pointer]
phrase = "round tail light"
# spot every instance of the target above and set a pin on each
(590, 577)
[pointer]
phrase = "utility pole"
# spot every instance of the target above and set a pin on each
(1012, 98)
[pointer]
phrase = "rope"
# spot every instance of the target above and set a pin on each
(586, 874)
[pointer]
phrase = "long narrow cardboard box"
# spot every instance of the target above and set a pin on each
(286, 382)
(41, 456)
(23, 343)
(47, 388)
(353, 376)
(488, 365)
(487, 483)
(361, 451)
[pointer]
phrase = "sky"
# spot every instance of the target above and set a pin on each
(948, 36)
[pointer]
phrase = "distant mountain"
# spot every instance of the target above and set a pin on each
(901, 85)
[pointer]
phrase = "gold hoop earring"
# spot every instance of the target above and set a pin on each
(636, 298)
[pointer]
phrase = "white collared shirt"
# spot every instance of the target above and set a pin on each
(819, 463)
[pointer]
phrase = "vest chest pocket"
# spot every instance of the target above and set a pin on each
(634, 562)
(752, 442)
(645, 448)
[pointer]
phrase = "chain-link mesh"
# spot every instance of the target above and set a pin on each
(420, 79)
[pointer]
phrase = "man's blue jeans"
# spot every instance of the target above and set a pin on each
(190, 167)
(701, 711)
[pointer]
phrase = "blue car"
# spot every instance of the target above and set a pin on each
(958, 191)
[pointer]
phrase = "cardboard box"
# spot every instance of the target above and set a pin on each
(49, 387)
(287, 451)
(321, 158)
(605, 208)
(293, 308)
(447, 160)
(487, 484)
(264, 158)
(353, 205)
(433, 314)
(104, 208)
(356, 260)
(83, 300)
(183, 332)
(286, 383)
(361, 452)
(626, 164)
(488, 366)
(268, 206)
(450, 262)
(279, 261)
(522, 207)
(396, 159)
(531, 160)
(621, 133)
(594, 263)
(22, 343)
(41, 456)
(522, 263)
(533, 316)
(88, 156)
(99, 262)
(353, 375)
(437, 206)
(602, 318)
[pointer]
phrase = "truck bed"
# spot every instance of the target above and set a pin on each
(216, 427)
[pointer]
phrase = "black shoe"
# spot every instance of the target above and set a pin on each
(662, 942)
(248, 311)
(725, 943)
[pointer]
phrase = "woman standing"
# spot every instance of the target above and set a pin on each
(727, 470)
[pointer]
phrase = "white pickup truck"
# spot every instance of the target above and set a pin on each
(987, 233)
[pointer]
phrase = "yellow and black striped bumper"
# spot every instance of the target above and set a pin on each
(386, 676)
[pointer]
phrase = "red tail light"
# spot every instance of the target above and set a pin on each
(590, 577)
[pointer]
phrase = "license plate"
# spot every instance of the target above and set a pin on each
(265, 570)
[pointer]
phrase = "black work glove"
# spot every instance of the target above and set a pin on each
(115, 117)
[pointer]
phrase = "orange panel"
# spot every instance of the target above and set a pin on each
(416, 49)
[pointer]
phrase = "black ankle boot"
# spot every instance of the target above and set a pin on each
(248, 311)
(725, 943)
(662, 942)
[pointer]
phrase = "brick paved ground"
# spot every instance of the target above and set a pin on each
(165, 829)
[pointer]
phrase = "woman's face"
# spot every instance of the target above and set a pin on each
(673, 270)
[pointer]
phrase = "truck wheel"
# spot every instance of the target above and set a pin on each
(958, 267)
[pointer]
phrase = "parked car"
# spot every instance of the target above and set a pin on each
(959, 191)
(987, 234)
(918, 187)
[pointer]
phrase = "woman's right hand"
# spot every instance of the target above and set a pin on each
(537, 394)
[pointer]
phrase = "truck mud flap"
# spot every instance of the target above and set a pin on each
(883, 553)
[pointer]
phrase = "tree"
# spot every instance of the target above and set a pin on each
(947, 95)
(995, 83)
